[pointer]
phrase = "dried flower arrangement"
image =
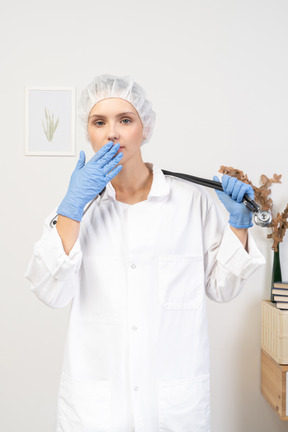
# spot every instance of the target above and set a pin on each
(279, 223)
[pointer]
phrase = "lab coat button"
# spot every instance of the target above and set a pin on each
(133, 266)
(135, 388)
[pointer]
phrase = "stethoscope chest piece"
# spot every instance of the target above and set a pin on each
(263, 218)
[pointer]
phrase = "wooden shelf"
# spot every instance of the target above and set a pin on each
(274, 384)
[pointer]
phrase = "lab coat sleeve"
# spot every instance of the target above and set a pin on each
(53, 274)
(227, 264)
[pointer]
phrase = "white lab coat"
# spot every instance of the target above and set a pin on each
(137, 351)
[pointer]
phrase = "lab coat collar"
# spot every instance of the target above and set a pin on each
(159, 188)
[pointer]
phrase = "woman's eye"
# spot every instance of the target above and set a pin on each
(126, 121)
(97, 123)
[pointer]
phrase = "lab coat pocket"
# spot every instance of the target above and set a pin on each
(184, 405)
(84, 405)
(181, 282)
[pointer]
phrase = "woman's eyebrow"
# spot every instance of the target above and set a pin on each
(118, 115)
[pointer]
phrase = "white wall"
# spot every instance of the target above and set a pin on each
(216, 72)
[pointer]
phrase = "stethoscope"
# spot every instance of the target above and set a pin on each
(262, 218)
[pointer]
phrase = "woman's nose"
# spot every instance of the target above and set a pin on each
(113, 133)
(113, 138)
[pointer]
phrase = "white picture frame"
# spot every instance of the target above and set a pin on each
(50, 121)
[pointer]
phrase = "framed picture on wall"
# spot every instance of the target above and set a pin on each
(50, 121)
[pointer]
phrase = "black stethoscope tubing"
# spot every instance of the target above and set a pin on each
(250, 204)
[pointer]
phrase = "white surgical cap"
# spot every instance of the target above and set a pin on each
(110, 86)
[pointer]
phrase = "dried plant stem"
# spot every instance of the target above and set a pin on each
(50, 127)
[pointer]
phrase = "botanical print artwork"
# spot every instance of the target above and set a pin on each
(50, 121)
(49, 127)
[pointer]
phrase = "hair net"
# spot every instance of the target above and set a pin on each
(108, 86)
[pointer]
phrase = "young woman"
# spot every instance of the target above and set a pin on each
(136, 267)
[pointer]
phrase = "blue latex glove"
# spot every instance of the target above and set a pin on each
(89, 179)
(232, 197)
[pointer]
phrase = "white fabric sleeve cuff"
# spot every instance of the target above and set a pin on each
(50, 250)
(233, 256)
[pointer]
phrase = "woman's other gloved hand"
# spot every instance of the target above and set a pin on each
(89, 179)
(232, 197)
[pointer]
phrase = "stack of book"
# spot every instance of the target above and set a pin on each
(280, 294)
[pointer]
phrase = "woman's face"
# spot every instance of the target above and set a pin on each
(116, 120)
